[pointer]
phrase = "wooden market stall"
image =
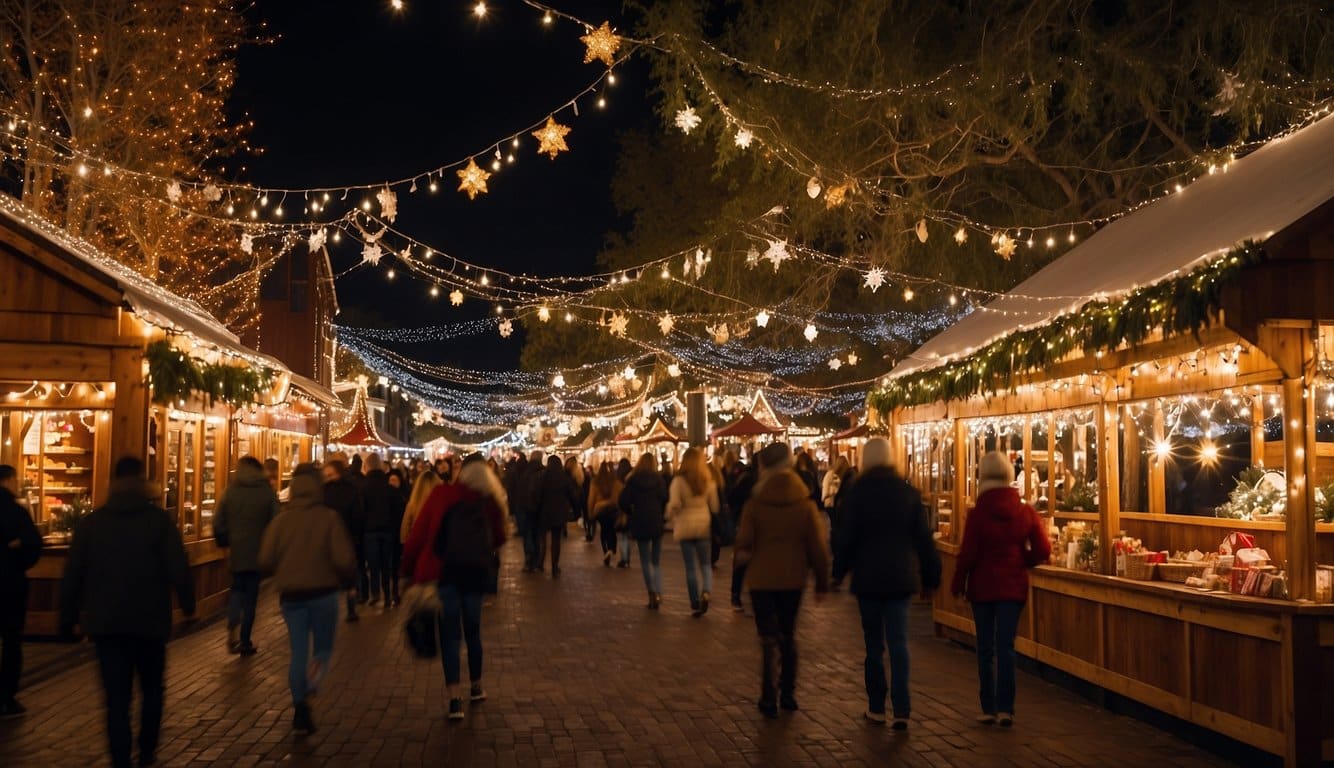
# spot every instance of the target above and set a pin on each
(1164, 382)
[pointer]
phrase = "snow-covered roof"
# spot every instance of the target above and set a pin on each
(1256, 196)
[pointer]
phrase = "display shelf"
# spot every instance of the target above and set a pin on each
(59, 450)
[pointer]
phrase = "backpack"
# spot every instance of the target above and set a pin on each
(464, 539)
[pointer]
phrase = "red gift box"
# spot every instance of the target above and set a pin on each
(1239, 574)
(1235, 541)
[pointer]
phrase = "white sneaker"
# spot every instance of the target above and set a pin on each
(875, 717)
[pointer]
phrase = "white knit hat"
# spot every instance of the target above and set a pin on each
(876, 453)
(994, 471)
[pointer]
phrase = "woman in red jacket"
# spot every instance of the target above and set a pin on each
(1002, 539)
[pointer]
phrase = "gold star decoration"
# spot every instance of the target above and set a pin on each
(472, 180)
(602, 44)
(551, 138)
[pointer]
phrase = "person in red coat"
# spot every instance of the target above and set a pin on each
(461, 586)
(1002, 539)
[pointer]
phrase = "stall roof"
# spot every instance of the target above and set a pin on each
(316, 390)
(1255, 197)
(746, 426)
(661, 432)
(362, 429)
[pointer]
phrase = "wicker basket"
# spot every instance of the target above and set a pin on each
(1138, 566)
(1180, 570)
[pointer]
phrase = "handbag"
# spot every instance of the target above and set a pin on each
(421, 628)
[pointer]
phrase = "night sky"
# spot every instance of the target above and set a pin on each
(365, 94)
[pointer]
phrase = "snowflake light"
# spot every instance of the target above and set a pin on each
(472, 179)
(720, 333)
(602, 44)
(317, 239)
(835, 364)
(665, 324)
(1228, 91)
(1005, 246)
(960, 235)
(628, 373)
(371, 253)
(247, 243)
(544, 314)
(921, 230)
(674, 370)
(874, 278)
(551, 138)
(456, 297)
(743, 138)
(558, 381)
(174, 192)
(212, 193)
(618, 324)
(762, 319)
(687, 120)
(506, 328)
(752, 256)
(388, 204)
(811, 332)
(777, 253)
(852, 358)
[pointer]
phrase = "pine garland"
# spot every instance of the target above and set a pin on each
(176, 376)
(1178, 305)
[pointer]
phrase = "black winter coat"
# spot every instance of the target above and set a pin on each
(383, 502)
(559, 498)
(125, 561)
(15, 524)
(884, 538)
(342, 496)
(644, 501)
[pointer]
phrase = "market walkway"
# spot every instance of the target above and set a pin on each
(580, 674)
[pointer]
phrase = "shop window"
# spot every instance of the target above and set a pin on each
(1076, 460)
(55, 453)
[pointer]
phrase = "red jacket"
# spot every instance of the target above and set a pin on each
(1002, 539)
(419, 559)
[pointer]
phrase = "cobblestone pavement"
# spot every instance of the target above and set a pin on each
(580, 674)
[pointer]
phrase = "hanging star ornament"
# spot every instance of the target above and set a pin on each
(602, 44)
(456, 297)
(874, 278)
(317, 239)
(743, 138)
(674, 370)
(388, 204)
(1005, 246)
(506, 328)
(618, 324)
(811, 332)
(212, 193)
(544, 314)
(687, 120)
(960, 235)
(371, 253)
(762, 319)
(472, 179)
(247, 243)
(665, 324)
(174, 192)
(835, 364)
(852, 358)
(551, 138)
(777, 253)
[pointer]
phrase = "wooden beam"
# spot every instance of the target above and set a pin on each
(1109, 482)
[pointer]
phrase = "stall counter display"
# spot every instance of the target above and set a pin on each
(58, 451)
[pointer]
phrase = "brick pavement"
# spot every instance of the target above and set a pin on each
(580, 674)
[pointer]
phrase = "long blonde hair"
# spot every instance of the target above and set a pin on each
(421, 491)
(478, 476)
(694, 471)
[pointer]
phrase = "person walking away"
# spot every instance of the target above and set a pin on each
(402, 491)
(453, 544)
(830, 485)
(885, 541)
(273, 472)
(125, 561)
(248, 506)
(692, 503)
(530, 495)
(623, 470)
(421, 491)
(723, 527)
(20, 548)
(809, 475)
(309, 554)
(741, 488)
(581, 479)
(644, 502)
(382, 516)
(342, 496)
(1002, 538)
(782, 539)
(602, 495)
(557, 506)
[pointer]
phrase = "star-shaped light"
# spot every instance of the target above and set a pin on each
(777, 253)
(743, 138)
(618, 324)
(472, 179)
(1005, 246)
(602, 44)
(852, 358)
(248, 243)
(874, 278)
(317, 239)
(687, 120)
(371, 253)
(628, 373)
(961, 235)
(544, 314)
(762, 319)
(551, 138)
(506, 328)
(558, 381)
(456, 297)
(835, 364)
(811, 332)
(720, 333)
(674, 370)
(665, 323)
(388, 204)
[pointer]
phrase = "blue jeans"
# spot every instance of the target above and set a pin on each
(460, 619)
(380, 559)
(528, 529)
(307, 621)
(625, 546)
(650, 555)
(997, 624)
(241, 602)
(697, 551)
(885, 622)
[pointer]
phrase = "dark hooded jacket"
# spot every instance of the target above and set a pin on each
(384, 504)
(644, 501)
(1002, 539)
(343, 497)
(15, 524)
(125, 561)
(884, 538)
(782, 536)
(559, 498)
(248, 506)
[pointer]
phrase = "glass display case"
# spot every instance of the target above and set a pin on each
(55, 452)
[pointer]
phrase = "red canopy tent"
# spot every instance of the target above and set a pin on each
(661, 433)
(362, 429)
(746, 426)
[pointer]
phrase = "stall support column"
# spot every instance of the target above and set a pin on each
(1109, 484)
(1158, 466)
(1298, 444)
(961, 477)
(129, 412)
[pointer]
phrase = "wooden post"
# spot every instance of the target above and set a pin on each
(1298, 444)
(1029, 472)
(1109, 481)
(129, 413)
(961, 476)
(1158, 466)
(1051, 463)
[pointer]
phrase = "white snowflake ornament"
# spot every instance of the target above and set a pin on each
(371, 253)
(212, 193)
(247, 243)
(1005, 246)
(174, 191)
(777, 253)
(874, 278)
(456, 297)
(687, 120)
(674, 371)
(762, 319)
(618, 324)
(743, 138)
(317, 239)
(665, 324)
(506, 328)
(388, 204)
(752, 256)
(835, 364)
(558, 381)
(811, 332)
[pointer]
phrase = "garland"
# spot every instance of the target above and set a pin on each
(1177, 305)
(175, 376)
